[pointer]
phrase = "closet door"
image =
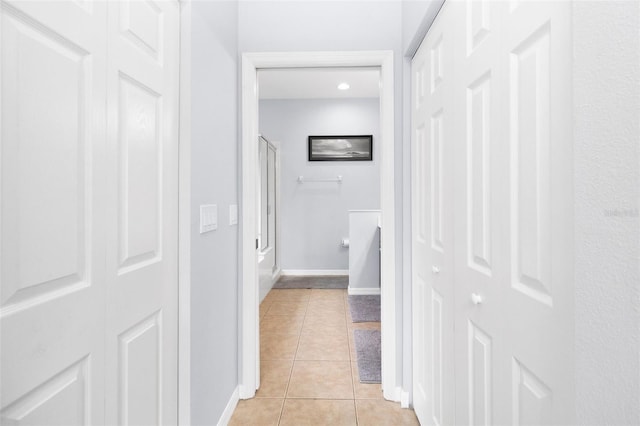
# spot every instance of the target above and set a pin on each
(509, 173)
(88, 290)
(513, 185)
(432, 213)
(142, 169)
(538, 304)
(52, 278)
(482, 215)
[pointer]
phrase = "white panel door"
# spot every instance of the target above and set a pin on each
(432, 213)
(52, 278)
(510, 124)
(142, 162)
(510, 88)
(538, 304)
(88, 290)
(482, 208)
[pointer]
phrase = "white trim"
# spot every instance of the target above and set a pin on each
(404, 399)
(225, 418)
(248, 342)
(249, 331)
(314, 272)
(184, 220)
(364, 291)
(387, 232)
(276, 276)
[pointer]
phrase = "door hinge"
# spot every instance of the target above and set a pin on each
(256, 244)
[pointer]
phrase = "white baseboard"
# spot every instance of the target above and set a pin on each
(314, 272)
(225, 418)
(404, 399)
(373, 291)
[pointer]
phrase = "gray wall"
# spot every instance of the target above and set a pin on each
(214, 281)
(338, 26)
(607, 229)
(313, 216)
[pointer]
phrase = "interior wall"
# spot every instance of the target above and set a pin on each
(338, 26)
(607, 202)
(314, 216)
(214, 180)
(607, 159)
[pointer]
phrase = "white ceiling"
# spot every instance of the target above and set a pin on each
(318, 83)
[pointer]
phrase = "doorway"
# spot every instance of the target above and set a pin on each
(249, 344)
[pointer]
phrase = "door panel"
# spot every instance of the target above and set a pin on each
(88, 213)
(142, 245)
(539, 298)
(504, 97)
(41, 70)
(421, 239)
(480, 378)
(530, 215)
(504, 107)
(481, 202)
(51, 217)
(432, 215)
(61, 399)
(140, 152)
(140, 372)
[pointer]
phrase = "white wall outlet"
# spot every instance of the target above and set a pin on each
(233, 214)
(208, 218)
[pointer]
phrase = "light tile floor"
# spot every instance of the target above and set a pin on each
(308, 371)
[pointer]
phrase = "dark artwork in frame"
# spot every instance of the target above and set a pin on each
(341, 148)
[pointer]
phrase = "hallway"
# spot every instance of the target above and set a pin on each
(309, 373)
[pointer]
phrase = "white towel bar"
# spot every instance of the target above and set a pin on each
(302, 179)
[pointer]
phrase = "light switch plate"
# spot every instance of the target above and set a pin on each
(208, 218)
(233, 214)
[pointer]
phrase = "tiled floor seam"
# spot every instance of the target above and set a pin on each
(293, 363)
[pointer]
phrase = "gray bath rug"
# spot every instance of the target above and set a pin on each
(368, 352)
(329, 282)
(364, 308)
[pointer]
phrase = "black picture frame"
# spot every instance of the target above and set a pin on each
(340, 148)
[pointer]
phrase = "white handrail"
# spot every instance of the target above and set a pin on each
(302, 179)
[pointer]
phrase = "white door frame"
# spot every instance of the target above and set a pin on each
(184, 220)
(249, 343)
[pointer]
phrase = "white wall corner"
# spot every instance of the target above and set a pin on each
(225, 418)
(354, 291)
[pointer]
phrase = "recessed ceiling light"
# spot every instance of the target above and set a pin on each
(343, 86)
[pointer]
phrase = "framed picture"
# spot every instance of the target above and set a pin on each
(341, 148)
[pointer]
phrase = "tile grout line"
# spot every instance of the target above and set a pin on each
(293, 363)
(347, 315)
